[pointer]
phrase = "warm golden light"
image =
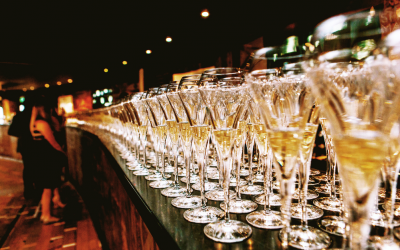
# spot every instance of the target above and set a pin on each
(105, 70)
(124, 62)
(32, 88)
(148, 52)
(47, 85)
(168, 39)
(372, 11)
(58, 83)
(70, 81)
(205, 13)
(24, 89)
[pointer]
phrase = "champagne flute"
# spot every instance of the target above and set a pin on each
(143, 120)
(267, 218)
(222, 93)
(284, 106)
(239, 205)
(161, 134)
(359, 110)
(173, 133)
(189, 200)
(198, 117)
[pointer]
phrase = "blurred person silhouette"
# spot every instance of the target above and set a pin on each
(49, 156)
(20, 128)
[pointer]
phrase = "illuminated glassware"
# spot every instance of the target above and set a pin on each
(159, 126)
(189, 200)
(173, 132)
(199, 119)
(360, 104)
(284, 106)
(222, 92)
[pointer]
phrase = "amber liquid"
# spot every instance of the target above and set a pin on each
(285, 146)
(308, 140)
(185, 132)
(224, 139)
(261, 138)
(361, 155)
(200, 135)
(173, 131)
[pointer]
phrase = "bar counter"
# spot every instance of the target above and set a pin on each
(129, 214)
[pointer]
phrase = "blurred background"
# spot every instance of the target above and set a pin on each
(90, 54)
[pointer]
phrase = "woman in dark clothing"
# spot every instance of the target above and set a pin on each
(48, 153)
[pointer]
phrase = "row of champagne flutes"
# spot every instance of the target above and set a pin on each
(354, 87)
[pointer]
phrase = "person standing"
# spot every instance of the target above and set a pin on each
(49, 157)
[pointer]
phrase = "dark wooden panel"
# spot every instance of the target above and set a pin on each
(115, 216)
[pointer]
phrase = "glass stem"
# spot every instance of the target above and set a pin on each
(332, 191)
(187, 165)
(267, 183)
(175, 152)
(286, 192)
(303, 189)
(144, 153)
(237, 162)
(390, 198)
(227, 166)
(162, 148)
(200, 162)
(250, 155)
(205, 163)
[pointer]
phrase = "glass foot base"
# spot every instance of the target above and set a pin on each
(274, 200)
(314, 171)
(325, 189)
(252, 190)
(333, 225)
(213, 175)
(218, 195)
(182, 173)
(267, 220)
(193, 179)
(244, 172)
(240, 206)
(311, 182)
(141, 172)
(208, 186)
(307, 238)
(169, 169)
(161, 184)
(241, 183)
(313, 212)
(311, 195)
(329, 204)
(156, 177)
(228, 232)
(174, 191)
(187, 202)
(135, 168)
(322, 177)
(203, 215)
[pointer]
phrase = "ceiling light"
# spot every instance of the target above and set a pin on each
(168, 39)
(148, 52)
(70, 81)
(24, 89)
(205, 13)
(47, 85)
(32, 88)
(124, 62)
(58, 83)
(105, 70)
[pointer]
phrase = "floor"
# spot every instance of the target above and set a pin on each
(21, 229)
